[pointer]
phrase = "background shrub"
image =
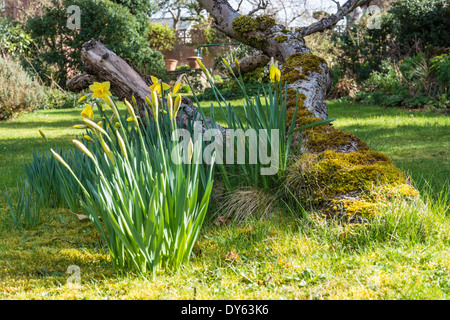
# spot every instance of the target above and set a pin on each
(18, 91)
(60, 47)
(161, 37)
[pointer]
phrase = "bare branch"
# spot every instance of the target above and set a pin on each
(330, 21)
(337, 4)
(261, 6)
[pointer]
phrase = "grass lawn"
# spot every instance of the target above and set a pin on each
(403, 254)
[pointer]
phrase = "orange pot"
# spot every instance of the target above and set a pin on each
(171, 64)
(192, 62)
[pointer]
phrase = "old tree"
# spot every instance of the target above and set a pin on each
(335, 170)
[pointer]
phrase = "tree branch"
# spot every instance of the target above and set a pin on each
(252, 62)
(330, 21)
(261, 6)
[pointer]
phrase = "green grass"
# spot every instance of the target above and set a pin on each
(401, 254)
(417, 142)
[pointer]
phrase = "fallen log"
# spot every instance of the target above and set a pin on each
(101, 64)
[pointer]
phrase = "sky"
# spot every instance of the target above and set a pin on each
(311, 6)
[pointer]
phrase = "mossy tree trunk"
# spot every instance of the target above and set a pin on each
(301, 70)
(335, 169)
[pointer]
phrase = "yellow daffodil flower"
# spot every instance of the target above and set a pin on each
(117, 125)
(87, 138)
(176, 107)
(176, 88)
(82, 99)
(275, 73)
(159, 86)
(101, 90)
(88, 112)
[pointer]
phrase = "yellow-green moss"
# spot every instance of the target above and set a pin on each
(243, 25)
(265, 22)
(324, 177)
(307, 61)
(352, 207)
(290, 75)
(281, 39)
(246, 26)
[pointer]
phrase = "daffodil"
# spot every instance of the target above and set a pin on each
(117, 125)
(93, 125)
(275, 73)
(190, 150)
(87, 138)
(88, 112)
(176, 106)
(108, 151)
(122, 145)
(80, 126)
(43, 135)
(82, 99)
(101, 90)
(176, 88)
(130, 112)
(154, 104)
(227, 64)
(158, 86)
(236, 63)
(202, 66)
(83, 148)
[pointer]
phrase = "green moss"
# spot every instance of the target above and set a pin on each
(332, 174)
(290, 75)
(257, 42)
(265, 22)
(281, 39)
(246, 26)
(307, 61)
(285, 31)
(243, 25)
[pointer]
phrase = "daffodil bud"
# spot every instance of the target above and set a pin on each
(190, 150)
(108, 152)
(122, 146)
(60, 159)
(176, 106)
(43, 135)
(83, 149)
(93, 125)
